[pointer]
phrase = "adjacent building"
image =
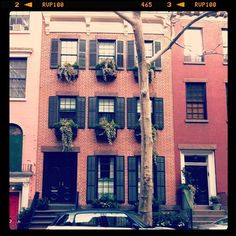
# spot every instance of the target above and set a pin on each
(199, 70)
(24, 74)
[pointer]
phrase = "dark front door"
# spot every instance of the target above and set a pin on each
(199, 180)
(59, 177)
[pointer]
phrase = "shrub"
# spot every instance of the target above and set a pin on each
(42, 204)
(105, 201)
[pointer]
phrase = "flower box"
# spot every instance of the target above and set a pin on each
(101, 135)
(59, 135)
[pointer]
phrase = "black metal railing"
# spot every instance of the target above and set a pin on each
(27, 214)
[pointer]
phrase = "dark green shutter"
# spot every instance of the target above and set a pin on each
(54, 61)
(157, 63)
(80, 112)
(92, 54)
(82, 54)
(52, 111)
(158, 113)
(120, 179)
(120, 112)
(15, 152)
(92, 112)
(132, 179)
(159, 179)
(130, 55)
(120, 54)
(92, 176)
(132, 120)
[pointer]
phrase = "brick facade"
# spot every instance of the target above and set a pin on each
(87, 85)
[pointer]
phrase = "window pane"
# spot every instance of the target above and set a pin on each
(106, 105)
(68, 52)
(68, 104)
(193, 46)
(17, 76)
(20, 20)
(106, 50)
(89, 219)
(148, 49)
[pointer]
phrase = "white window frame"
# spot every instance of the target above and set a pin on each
(210, 163)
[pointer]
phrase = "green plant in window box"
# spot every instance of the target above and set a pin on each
(67, 72)
(106, 201)
(137, 133)
(106, 70)
(106, 130)
(65, 129)
(151, 73)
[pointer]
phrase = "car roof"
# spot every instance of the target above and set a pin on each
(96, 210)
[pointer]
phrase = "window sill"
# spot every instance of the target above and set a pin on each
(17, 99)
(20, 32)
(225, 63)
(194, 63)
(196, 121)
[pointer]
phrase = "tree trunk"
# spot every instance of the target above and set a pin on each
(146, 190)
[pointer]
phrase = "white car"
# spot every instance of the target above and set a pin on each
(219, 224)
(98, 219)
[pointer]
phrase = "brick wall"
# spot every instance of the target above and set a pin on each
(87, 85)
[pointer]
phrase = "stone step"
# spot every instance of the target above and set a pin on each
(61, 206)
(208, 212)
(206, 217)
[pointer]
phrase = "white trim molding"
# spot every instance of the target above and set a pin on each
(210, 163)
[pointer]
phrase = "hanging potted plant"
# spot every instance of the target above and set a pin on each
(151, 73)
(106, 70)
(66, 131)
(67, 72)
(106, 131)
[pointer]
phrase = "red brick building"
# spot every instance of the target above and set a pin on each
(200, 106)
(93, 167)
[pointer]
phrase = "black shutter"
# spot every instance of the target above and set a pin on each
(132, 120)
(92, 176)
(120, 54)
(52, 111)
(157, 63)
(158, 113)
(82, 54)
(120, 112)
(92, 54)
(80, 112)
(120, 179)
(132, 179)
(130, 55)
(92, 112)
(159, 179)
(54, 61)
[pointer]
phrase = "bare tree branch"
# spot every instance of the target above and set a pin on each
(125, 17)
(158, 54)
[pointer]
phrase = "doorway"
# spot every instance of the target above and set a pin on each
(59, 177)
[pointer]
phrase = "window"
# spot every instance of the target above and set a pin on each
(193, 45)
(69, 52)
(67, 108)
(105, 176)
(225, 44)
(133, 112)
(16, 142)
(118, 220)
(134, 177)
(151, 47)
(196, 101)
(106, 49)
(19, 21)
(88, 219)
(17, 77)
(106, 108)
